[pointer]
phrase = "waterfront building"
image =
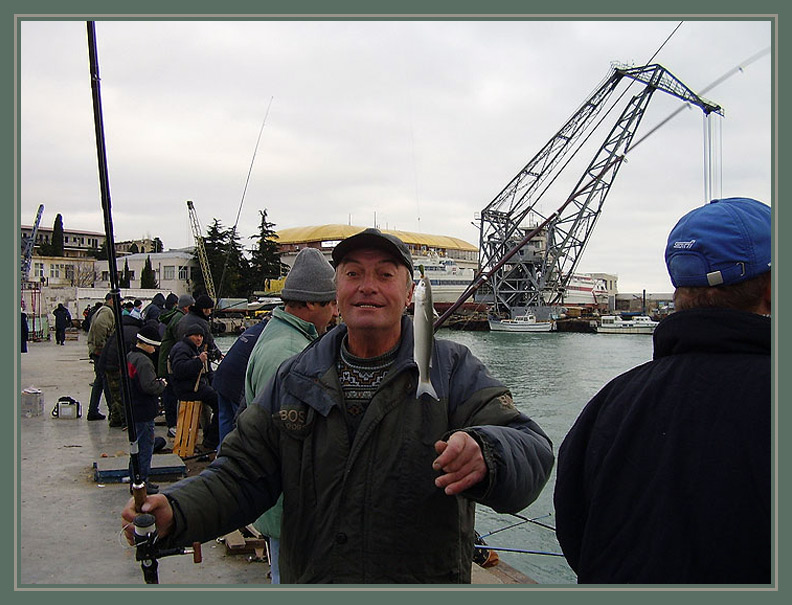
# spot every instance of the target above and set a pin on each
(174, 269)
(76, 243)
(449, 262)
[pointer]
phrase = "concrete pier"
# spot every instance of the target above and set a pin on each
(69, 524)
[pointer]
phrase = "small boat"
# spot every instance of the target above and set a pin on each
(521, 323)
(614, 324)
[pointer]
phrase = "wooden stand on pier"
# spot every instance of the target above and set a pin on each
(187, 428)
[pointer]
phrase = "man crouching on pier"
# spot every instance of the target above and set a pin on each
(378, 486)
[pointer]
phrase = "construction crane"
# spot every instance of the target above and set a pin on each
(527, 258)
(201, 249)
(29, 244)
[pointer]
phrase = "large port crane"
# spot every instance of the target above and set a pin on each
(528, 258)
(201, 250)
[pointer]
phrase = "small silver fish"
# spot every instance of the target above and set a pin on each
(423, 340)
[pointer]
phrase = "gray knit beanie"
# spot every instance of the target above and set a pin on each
(310, 279)
(185, 300)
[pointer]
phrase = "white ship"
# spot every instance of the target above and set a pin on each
(585, 290)
(448, 279)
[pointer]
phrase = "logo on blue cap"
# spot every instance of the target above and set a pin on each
(724, 242)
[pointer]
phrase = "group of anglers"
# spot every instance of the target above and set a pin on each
(165, 333)
(664, 478)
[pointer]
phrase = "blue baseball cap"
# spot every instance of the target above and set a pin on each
(724, 242)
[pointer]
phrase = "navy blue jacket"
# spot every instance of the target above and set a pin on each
(185, 365)
(144, 385)
(665, 476)
(229, 377)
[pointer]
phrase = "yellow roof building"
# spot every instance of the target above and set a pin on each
(325, 238)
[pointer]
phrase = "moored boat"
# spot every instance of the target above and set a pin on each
(521, 323)
(614, 324)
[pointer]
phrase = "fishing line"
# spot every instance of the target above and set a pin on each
(664, 43)
(545, 525)
(519, 550)
(740, 67)
(523, 522)
(521, 217)
(242, 201)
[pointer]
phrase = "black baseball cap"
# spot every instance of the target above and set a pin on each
(374, 238)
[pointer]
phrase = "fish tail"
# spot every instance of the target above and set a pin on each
(426, 388)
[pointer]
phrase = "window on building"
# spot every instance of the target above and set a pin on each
(38, 269)
(105, 275)
(55, 271)
(184, 273)
(169, 272)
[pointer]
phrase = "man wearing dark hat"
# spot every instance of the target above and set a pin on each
(145, 388)
(189, 369)
(665, 476)
(200, 312)
(378, 486)
(309, 297)
(111, 368)
(171, 320)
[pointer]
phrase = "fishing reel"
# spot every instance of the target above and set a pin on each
(148, 550)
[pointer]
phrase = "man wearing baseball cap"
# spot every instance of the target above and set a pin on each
(665, 475)
(378, 486)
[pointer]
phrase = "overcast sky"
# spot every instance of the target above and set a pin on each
(416, 125)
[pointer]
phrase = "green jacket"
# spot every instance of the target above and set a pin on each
(284, 336)
(171, 319)
(102, 325)
(366, 511)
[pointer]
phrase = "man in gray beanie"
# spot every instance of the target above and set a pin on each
(309, 296)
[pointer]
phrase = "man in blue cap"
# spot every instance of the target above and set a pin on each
(665, 475)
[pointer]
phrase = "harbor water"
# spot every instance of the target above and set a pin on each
(551, 376)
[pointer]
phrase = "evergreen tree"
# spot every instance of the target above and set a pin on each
(57, 237)
(265, 263)
(133, 249)
(99, 253)
(226, 262)
(125, 279)
(148, 279)
(158, 247)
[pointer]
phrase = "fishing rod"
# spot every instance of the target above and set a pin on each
(242, 201)
(535, 521)
(145, 529)
(138, 486)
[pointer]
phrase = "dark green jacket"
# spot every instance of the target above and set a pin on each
(171, 319)
(366, 511)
